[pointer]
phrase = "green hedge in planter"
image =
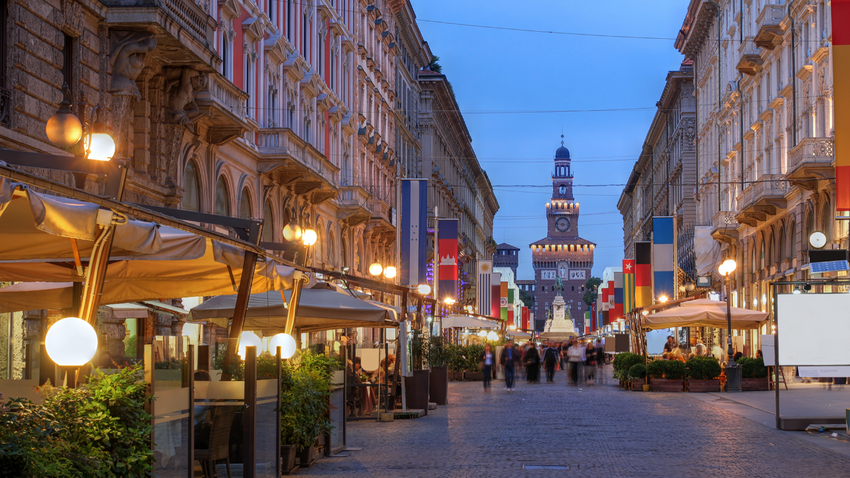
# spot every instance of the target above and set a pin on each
(656, 368)
(637, 371)
(100, 430)
(305, 398)
(674, 370)
(702, 368)
(623, 362)
(752, 367)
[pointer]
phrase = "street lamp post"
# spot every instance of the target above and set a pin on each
(733, 372)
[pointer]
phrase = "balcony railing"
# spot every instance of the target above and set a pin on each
(768, 26)
(382, 210)
(228, 96)
(284, 141)
(353, 196)
(186, 13)
(724, 220)
(811, 151)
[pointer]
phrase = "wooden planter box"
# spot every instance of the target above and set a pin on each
(438, 388)
(637, 385)
(755, 384)
(307, 457)
(287, 458)
(455, 376)
(665, 385)
(699, 386)
(473, 376)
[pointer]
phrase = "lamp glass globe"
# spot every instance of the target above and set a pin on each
(71, 342)
(424, 289)
(482, 334)
(309, 237)
(286, 344)
(493, 336)
(64, 129)
(249, 339)
(102, 147)
(292, 232)
(390, 272)
(375, 269)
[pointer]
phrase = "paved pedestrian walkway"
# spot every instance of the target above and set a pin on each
(591, 431)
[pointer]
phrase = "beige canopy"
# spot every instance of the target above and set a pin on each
(39, 234)
(318, 309)
(467, 321)
(703, 313)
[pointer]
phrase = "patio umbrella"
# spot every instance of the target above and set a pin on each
(318, 309)
(467, 321)
(704, 313)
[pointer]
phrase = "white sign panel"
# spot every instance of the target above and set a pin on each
(548, 275)
(818, 372)
(767, 350)
(813, 329)
(577, 275)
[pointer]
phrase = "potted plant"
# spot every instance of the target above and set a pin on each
(637, 375)
(305, 406)
(454, 361)
(703, 374)
(666, 375)
(439, 379)
(622, 363)
(472, 359)
(754, 375)
(417, 385)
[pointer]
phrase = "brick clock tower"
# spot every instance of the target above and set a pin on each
(562, 253)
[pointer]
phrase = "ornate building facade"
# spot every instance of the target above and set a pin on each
(662, 180)
(562, 254)
(764, 135)
(457, 185)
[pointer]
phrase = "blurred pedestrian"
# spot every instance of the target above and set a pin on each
(550, 357)
(488, 359)
(600, 361)
(575, 354)
(590, 363)
(509, 361)
(532, 364)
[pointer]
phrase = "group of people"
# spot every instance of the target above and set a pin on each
(582, 361)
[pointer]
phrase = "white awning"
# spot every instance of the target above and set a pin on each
(467, 321)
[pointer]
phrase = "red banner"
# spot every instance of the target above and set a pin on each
(447, 234)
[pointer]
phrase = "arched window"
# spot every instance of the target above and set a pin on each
(768, 253)
(331, 249)
(826, 221)
(268, 223)
(810, 226)
(753, 263)
(222, 198)
(761, 253)
(783, 246)
(344, 248)
(245, 204)
(792, 248)
(191, 188)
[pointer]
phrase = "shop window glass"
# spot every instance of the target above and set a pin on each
(222, 198)
(191, 188)
(245, 204)
(268, 224)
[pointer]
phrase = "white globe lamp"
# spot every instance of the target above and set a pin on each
(71, 342)
(375, 269)
(286, 344)
(249, 339)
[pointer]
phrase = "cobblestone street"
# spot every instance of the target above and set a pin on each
(599, 431)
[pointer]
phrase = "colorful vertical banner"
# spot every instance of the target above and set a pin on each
(628, 285)
(414, 217)
(447, 234)
(511, 306)
(525, 318)
(643, 274)
(496, 295)
(594, 315)
(841, 100)
(503, 301)
(618, 296)
(483, 288)
(663, 254)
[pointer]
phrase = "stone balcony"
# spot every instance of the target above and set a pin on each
(354, 206)
(724, 227)
(750, 61)
(184, 31)
(769, 26)
(382, 213)
(225, 102)
(762, 199)
(811, 160)
(289, 160)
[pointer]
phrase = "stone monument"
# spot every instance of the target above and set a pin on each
(559, 327)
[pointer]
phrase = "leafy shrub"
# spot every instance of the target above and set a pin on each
(637, 371)
(100, 429)
(623, 362)
(703, 368)
(674, 370)
(306, 384)
(752, 367)
(656, 368)
(472, 357)
(437, 353)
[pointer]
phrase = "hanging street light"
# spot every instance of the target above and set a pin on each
(375, 269)
(292, 231)
(424, 289)
(309, 237)
(733, 372)
(390, 272)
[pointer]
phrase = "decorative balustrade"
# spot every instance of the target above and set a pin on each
(228, 96)
(723, 220)
(284, 141)
(189, 15)
(381, 210)
(353, 196)
(768, 26)
(811, 150)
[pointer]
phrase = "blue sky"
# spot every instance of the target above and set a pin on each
(494, 71)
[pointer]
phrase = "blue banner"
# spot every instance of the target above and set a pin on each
(414, 222)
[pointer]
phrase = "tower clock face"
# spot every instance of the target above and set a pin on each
(562, 189)
(562, 224)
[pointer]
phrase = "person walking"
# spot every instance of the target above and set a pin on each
(590, 363)
(600, 361)
(551, 357)
(488, 359)
(574, 357)
(532, 364)
(509, 360)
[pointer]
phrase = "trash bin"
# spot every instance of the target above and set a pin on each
(733, 377)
